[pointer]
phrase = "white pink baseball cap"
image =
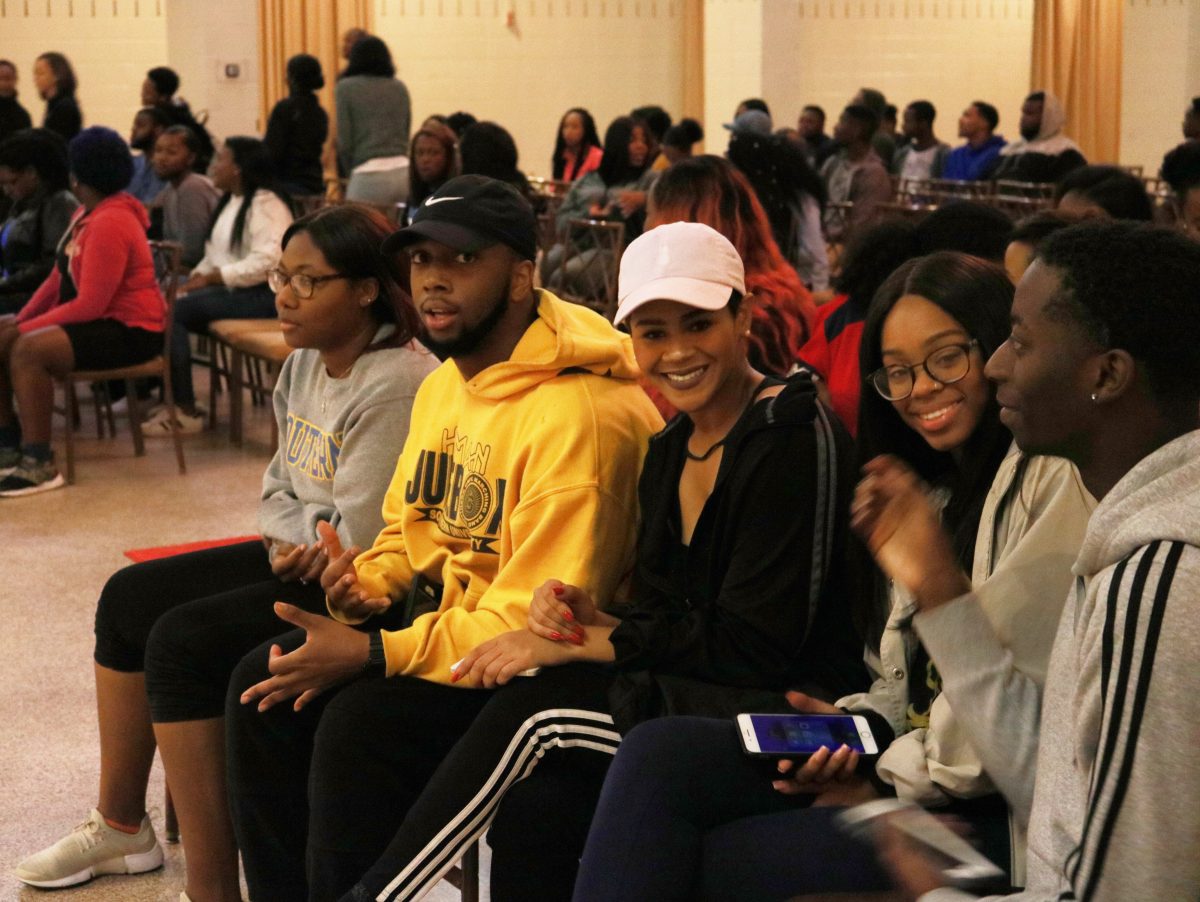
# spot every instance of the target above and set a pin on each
(686, 262)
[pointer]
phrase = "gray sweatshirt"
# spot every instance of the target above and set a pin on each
(373, 118)
(338, 442)
(187, 214)
(1116, 805)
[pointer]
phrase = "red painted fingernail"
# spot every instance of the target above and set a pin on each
(568, 616)
(556, 636)
(454, 677)
(577, 639)
(558, 590)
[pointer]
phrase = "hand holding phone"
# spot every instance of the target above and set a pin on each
(798, 736)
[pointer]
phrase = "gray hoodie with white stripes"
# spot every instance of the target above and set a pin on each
(1116, 810)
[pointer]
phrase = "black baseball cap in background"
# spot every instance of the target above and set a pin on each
(469, 213)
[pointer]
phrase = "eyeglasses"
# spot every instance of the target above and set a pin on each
(946, 365)
(302, 285)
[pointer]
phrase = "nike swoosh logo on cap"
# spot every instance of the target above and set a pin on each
(439, 200)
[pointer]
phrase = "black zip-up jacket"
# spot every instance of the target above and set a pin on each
(63, 116)
(763, 603)
(13, 117)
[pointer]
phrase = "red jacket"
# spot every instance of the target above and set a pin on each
(832, 352)
(113, 270)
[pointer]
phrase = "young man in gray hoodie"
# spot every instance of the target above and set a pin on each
(1103, 368)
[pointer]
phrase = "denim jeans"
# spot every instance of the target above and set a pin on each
(196, 310)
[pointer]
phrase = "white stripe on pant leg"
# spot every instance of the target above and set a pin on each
(433, 861)
(587, 731)
(423, 882)
(436, 859)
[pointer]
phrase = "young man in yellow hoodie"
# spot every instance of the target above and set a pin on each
(521, 463)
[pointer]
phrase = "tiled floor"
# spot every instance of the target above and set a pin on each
(58, 549)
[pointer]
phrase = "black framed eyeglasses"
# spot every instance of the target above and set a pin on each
(946, 365)
(303, 285)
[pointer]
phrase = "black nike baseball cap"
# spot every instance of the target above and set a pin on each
(469, 213)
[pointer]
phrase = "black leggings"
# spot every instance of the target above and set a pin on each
(333, 779)
(187, 620)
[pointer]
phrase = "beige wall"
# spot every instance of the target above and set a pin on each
(949, 52)
(1160, 76)
(733, 63)
(110, 43)
(606, 55)
(203, 36)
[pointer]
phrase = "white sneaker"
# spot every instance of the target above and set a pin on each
(91, 849)
(166, 422)
(148, 409)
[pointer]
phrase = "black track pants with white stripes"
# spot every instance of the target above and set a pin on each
(560, 717)
(332, 783)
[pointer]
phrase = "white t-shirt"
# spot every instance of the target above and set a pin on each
(918, 164)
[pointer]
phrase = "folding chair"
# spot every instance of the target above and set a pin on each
(591, 263)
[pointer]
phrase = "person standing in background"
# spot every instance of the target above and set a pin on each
(374, 115)
(351, 37)
(13, 116)
(56, 83)
(297, 129)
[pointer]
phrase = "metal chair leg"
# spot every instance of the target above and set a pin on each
(135, 418)
(72, 415)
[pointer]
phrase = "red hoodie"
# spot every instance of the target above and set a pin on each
(112, 267)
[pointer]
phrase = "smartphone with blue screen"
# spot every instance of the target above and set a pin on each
(800, 735)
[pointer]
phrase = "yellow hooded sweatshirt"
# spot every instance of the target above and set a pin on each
(527, 472)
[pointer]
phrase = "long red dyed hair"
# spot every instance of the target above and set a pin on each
(707, 189)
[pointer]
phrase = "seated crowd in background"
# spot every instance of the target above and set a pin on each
(474, 489)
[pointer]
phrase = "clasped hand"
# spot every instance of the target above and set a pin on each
(332, 653)
(298, 563)
(559, 612)
(339, 579)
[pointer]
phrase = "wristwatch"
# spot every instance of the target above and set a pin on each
(376, 664)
